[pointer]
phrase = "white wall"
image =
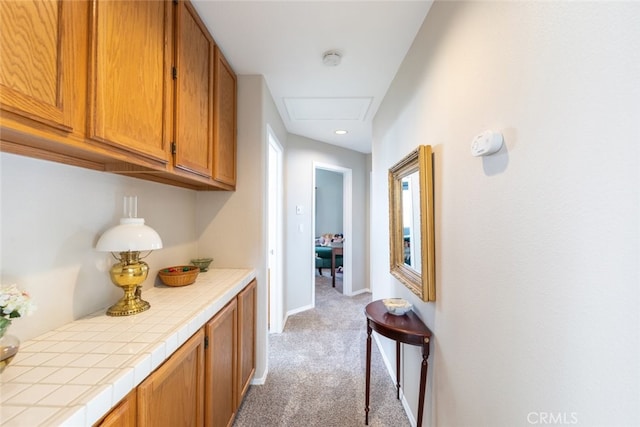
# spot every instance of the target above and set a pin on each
(328, 202)
(537, 249)
(299, 157)
(232, 225)
(51, 216)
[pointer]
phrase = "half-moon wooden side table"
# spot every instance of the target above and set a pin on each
(407, 329)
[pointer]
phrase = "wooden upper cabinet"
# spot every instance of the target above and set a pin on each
(36, 70)
(130, 79)
(173, 395)
(194, 92)
(91, 83)
(224, 160)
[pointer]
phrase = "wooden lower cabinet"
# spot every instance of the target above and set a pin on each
(221, 367)
(230, 357)
(173, 394)
(123, 415)
(204, 381)
(247, 301)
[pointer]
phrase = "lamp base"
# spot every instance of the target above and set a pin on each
(128, 306)
(129, 274)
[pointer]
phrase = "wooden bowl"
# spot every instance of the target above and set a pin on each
(179, 275)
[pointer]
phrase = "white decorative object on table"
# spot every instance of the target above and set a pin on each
(397, 306)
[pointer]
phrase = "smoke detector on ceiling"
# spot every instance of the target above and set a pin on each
(331, 58)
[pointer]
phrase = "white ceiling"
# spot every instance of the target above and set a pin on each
(285, 40)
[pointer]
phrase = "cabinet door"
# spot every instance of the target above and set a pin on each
(173, 394)
(224, 141)
(194, 93)
(123, 415)
(130, 77)
(220, 377)
(246, 338)
(36, 70)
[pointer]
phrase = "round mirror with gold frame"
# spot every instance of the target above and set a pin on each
(411, 222)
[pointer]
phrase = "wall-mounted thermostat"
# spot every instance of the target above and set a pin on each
(488, 142)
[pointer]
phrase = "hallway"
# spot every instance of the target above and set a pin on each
(316, 370)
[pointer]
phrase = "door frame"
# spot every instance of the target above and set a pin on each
(274, 250)
(347, 223)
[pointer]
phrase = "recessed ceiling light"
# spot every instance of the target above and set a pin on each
(341, 132)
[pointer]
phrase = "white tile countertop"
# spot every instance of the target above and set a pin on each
(73, 375)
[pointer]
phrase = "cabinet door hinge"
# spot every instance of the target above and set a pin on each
(174, 73)
(173, 148)
(206, 343)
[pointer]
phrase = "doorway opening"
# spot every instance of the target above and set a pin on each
(347, 209)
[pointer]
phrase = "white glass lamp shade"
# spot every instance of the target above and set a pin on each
(130, 235)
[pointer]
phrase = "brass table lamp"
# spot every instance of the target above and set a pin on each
(127, 240)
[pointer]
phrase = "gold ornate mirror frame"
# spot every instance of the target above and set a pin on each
(422, 281)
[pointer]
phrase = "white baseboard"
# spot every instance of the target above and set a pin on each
(297, 310)
(260, 380)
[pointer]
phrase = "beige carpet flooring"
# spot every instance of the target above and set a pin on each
(317, 370)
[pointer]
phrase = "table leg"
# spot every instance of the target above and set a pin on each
(368, 376)
(398, 370)
(423, 382)
(333, 267)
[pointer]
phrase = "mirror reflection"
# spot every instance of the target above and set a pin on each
(411, 222)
